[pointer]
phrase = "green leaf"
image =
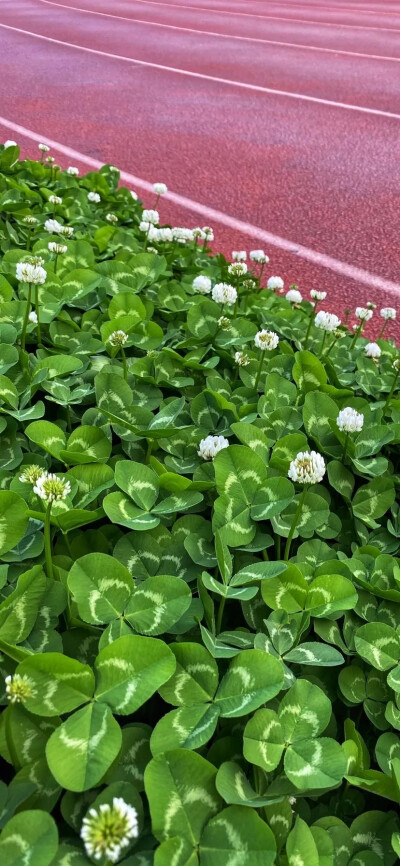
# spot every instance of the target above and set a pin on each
(138, 481)
(131, 670)
(264, 741)
(308, 372)
(29, 837)
(379, 644)
(372, 500)
(186, 728)
(300, 847)
(252, 678)
(59, 683)
(13, 520)
(195, 679)
(101, 587)
(82, 749)
(238, 833)
(157, 604)
(48, 436)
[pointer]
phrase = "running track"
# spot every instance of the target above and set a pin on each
(276, 122)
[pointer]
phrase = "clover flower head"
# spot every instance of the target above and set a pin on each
(106, 832)
(224, 323)
(33, 317)
(19, 688)
(44, 148)
(350, 421)
(53, 226)
(67, 231)
(238, 269)
(134, 194)
(29, 220)
(308, 467)
(326, 321)
(160, 188)
(94, 197)
(9, 143)
(55, 199)
(364, 314)
(31, 474)
(182, 234)
(223, 293)
(73, 171)
(118, 338)
(27, 272)
(239, 255)
(275, 283)
(164, 234)
(259, 256)
(317, 296)
(388, 313)
(241, 359)
(294, 296)
(59, 249)
(198, 233)
(111, 218)
(152, 250)
(266, 340)
(37, 261)
(50, 159)
(52, 488)
(113, 168)
(396, 364)
(371, 305)
(151, 216)
(249, 284)
(202, 285)
(372, 350)
(209, 233)
(211, 446)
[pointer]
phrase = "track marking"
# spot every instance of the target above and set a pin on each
(215, 216)
(222, 35)
(257, 88)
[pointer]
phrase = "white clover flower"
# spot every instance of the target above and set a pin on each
(182, 234)
(160, 189)
(108, 831)
(209, 233)
(317, 296)
(326, 321)
(239, 255)
(118, 338)
(134, 194)
(396, 364)
(111, 218)
(52, 488)
(59, 249)
(223, 293)
(31, 474)
(33, 317)
(94, 197)
(19, 688)
(144, 227)
(9, 143)
(350, 421)
(275, 283)
(224, 323)
(37, 261)
(29, 220)
(372, 350)
(202, 285)
(44, 148)
(198, 233)
(294, 296)
(150, 216)
(152, 250)
(55, 199)
(66, 230)
(388, 313)
(49, 159)
(238, 269)
(211, 445)
(113, 168)
(371, 305)
(364, 314)
(242, 359)
(259, 256)
(27, 272)
(266, 340)
(53, 226)
(73, 171)
(307, 468)
(164, 234)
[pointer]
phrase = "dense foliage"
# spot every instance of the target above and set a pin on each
(199, 637)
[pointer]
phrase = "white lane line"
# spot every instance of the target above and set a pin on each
(211, 215)
(377, 112)
(223, 35)
(264, 17)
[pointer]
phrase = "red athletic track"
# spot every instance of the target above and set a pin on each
(321, 176)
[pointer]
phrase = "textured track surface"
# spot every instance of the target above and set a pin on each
(316, 174)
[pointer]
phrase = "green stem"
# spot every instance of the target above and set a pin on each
(333, 343)
(47, 541)
(55, 264)
(356, 336)
(39, 335)
(124, 364)
(294, 524)
(312, 317)
(346, 441)
(149, 449)
(26, 317)
(261, 273)
(390, 394)
(259, 370)
(322, 344)
(69, 424)
(382, 331)
(277, 547)
(220, 614)
(8, 729)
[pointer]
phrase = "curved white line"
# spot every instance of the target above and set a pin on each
(212, 215)
(222, 35)
(257, 88)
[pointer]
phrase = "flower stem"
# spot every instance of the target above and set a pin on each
(345, 446)
(356, 335)
(259, 370)
(312, 317)
(26, 316)
(295, 521)
(47, 541)
(55, 264)
(39, 335)
(8, 730)
(124, 364)
(322, 344)
(390, 395)
(382, 331)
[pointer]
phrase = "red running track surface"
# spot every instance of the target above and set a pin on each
(284, 117)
